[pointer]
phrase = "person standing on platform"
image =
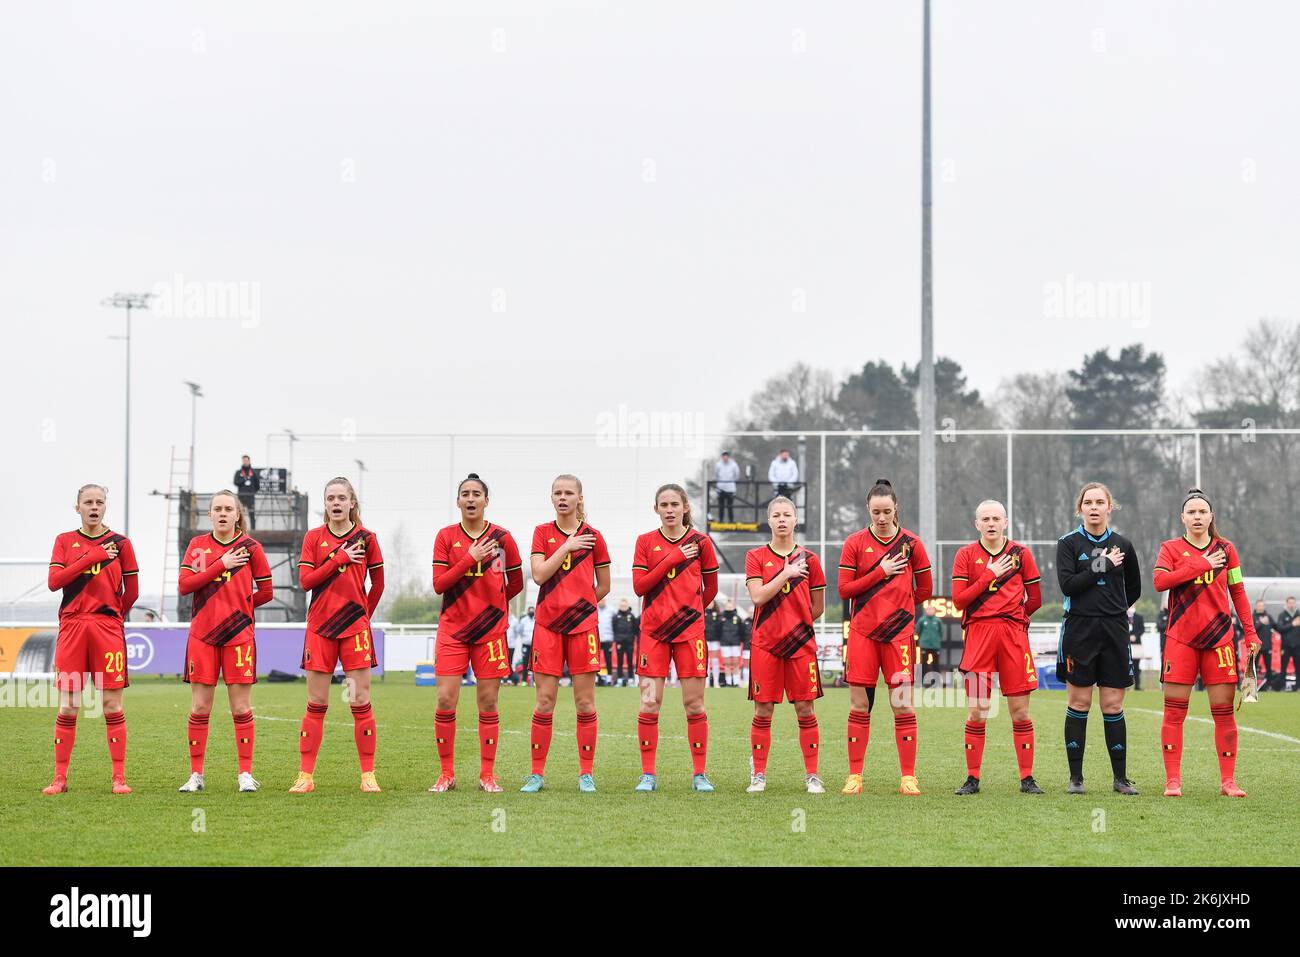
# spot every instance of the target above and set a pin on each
(247, 485)
(725, 473)
(783, 473)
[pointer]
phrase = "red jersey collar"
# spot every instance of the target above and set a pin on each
(898, 530)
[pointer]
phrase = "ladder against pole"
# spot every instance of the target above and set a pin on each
(177, 477)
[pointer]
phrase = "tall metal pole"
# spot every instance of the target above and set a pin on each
(1011, 483)
(821, 508)
(196, 392)
(127, 301)
(126, 513)
(928, 503)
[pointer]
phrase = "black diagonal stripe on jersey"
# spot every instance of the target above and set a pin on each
(320, 589)
(1213, 633)
(572, 617)
(227, 628)
(796, 638)
(894, 547)
(894, 623)
(338, 622)
(455, 591)
(986, 594)
(481, 625)
(662, 585)
(680, 620)
(75, 587)
(1181, 598)
(207, 591)
(549, 585)
(690, 538)
(769, 607)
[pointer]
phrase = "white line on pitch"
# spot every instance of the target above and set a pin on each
(1240, 727)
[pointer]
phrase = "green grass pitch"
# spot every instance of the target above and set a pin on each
(337, 825)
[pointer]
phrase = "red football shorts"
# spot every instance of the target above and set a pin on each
(865, 659)
(490, 658)
(690, 656)
(322, 654)
(1183, 664)
(1001, 647)
(236, 663)
(90, 644)
(551, 650)
(772, 677)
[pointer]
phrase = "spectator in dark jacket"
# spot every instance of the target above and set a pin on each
(1264, 629)
(247, 485)
(712, 633)
(626, 628)
(733, 636)
(1288, 623)
(1137, 626)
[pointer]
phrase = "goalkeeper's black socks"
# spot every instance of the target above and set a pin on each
(1076, 734)
(1117, 744)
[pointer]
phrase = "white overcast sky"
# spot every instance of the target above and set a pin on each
(486, 216)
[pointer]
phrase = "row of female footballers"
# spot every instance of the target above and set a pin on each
(884, 571)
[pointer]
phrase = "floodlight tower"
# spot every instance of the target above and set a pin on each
(128, 301)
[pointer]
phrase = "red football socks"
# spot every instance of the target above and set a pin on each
(1022, 733)
(859, 736)
(647, 735)
(974, 747)
(541, 740)
(198, 737)
(115, 728)
(697, 733)
(363, 730)
(243, 741)
(760, 742)
(444, 731)
(586, 741)
(309, 737)
(65, 736)
(1171, 736)
(905, 736)
(489, 732)
(809, 739)
(1225, 739)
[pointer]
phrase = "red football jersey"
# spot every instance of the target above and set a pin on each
(673, 610)
(566, 602)
(784, 623)
(887, 609)
(1199, 610)
(98, 589)
(222, 613)
(474, 609)
(338, 605)
(1005, 597)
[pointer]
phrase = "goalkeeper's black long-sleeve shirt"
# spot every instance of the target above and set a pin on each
(1093, 587)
